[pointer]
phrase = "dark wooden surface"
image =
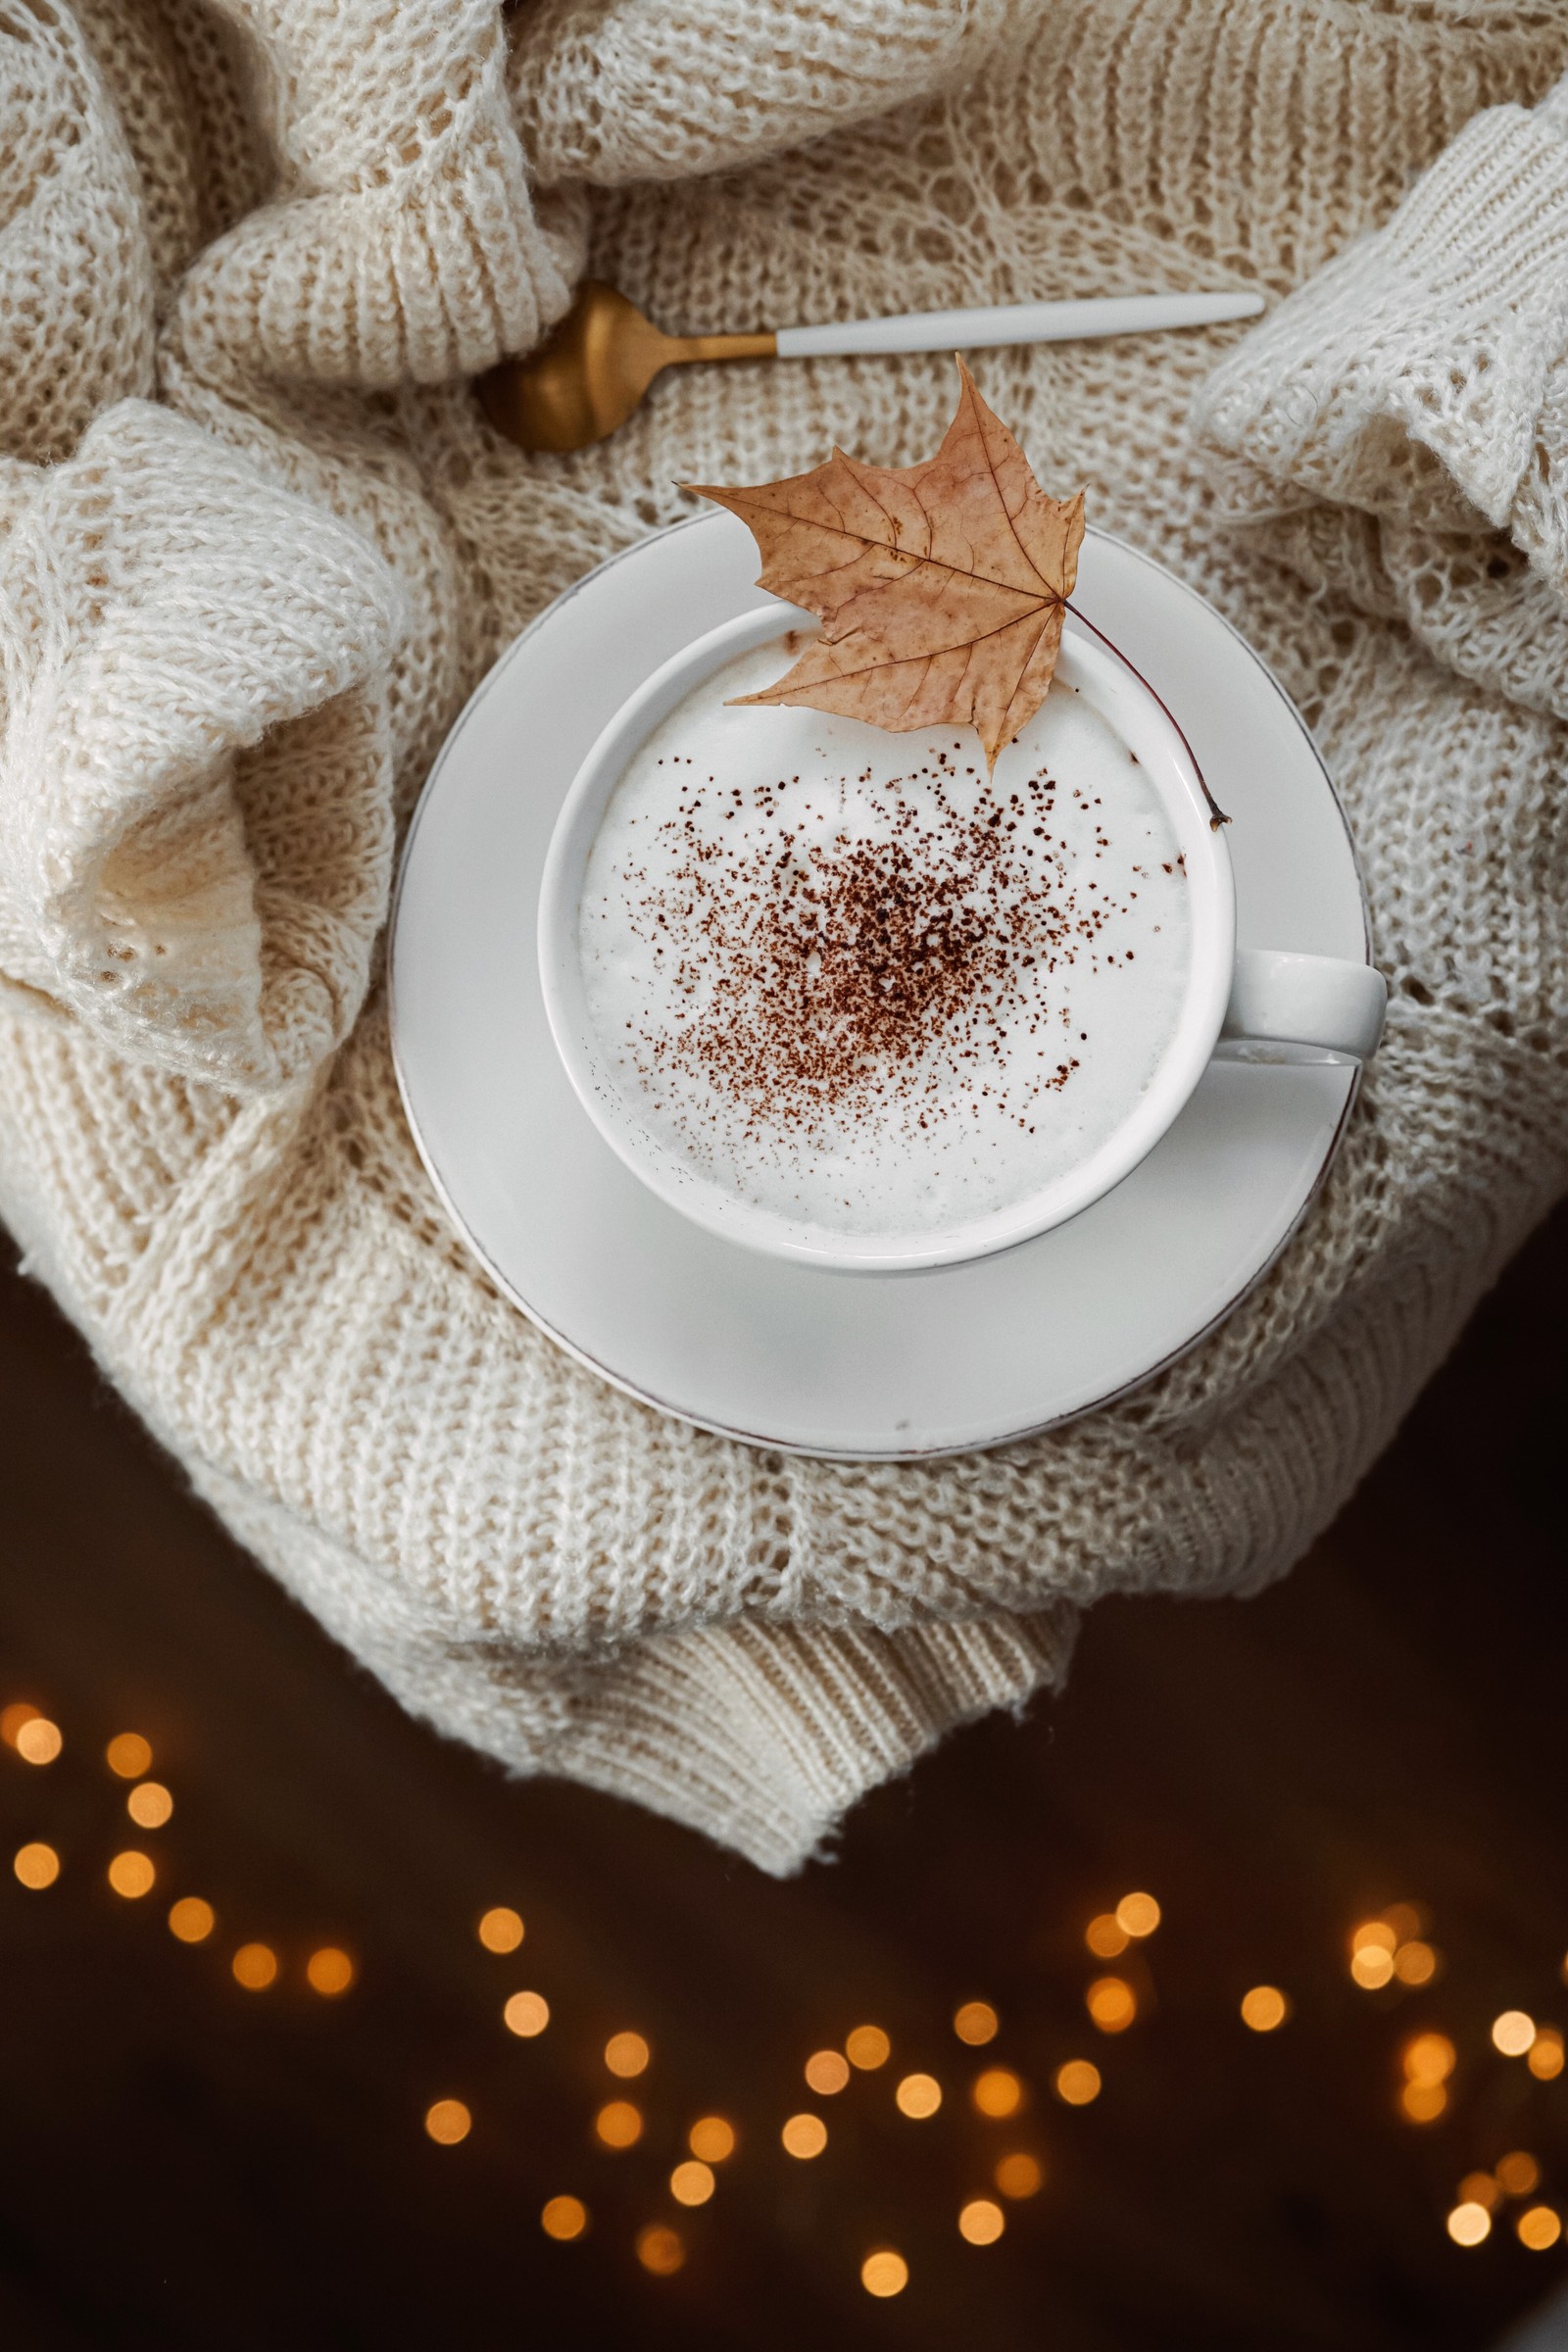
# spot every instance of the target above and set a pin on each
(184, 2164)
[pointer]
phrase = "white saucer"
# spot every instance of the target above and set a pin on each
(878, 1367)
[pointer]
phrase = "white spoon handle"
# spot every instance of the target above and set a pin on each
(1016, 322)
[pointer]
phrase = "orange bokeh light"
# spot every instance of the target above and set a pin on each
(1077, 2082)
(564, 2217)
(659, 2250)
(129, 1755)
(998, 2092)
(133, 1875)
(1111, 2004)
(1544, 2057)
(501, 1930)
(255, 1966)
(884, 2272)
(1264, 2008)
(626, 2054)
(981, 2222)
(36, 1865)
(975, 2022)
(803, 2136)
(918, 2095)
(1429, 2058)
(329, 1971)
(618, 2123)
(692, 2183)
(1139, 1914)
(149, 1804)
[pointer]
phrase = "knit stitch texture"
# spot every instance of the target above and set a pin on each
(256, 545)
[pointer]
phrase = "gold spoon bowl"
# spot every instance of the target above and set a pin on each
(593, 370)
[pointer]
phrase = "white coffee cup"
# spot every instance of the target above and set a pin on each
(1258, 1002)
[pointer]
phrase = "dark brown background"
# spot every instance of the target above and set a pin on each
(183, 2164)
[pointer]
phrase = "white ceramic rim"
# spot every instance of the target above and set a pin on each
(1086, 666)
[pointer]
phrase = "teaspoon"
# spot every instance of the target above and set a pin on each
(595, 366)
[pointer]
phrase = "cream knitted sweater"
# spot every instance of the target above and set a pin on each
(256, 545)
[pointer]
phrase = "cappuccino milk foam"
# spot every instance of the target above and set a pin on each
(861, 984)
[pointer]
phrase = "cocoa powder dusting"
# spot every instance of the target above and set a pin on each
(832, 972)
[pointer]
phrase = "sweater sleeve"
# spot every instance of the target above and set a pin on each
(195, 790)
(1398, 430)
(402, 240)
(614, 90)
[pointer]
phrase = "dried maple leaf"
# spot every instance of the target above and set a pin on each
(941, 587)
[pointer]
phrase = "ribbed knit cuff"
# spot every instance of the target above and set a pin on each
(763, 1736)
(1485, 235)
(1439, 334)
(406, 242)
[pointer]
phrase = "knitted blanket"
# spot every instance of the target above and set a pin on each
(256, 545)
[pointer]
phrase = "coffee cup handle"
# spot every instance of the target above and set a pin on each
(1323, 1001)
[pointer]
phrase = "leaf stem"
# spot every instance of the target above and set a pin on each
(1217, 814)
